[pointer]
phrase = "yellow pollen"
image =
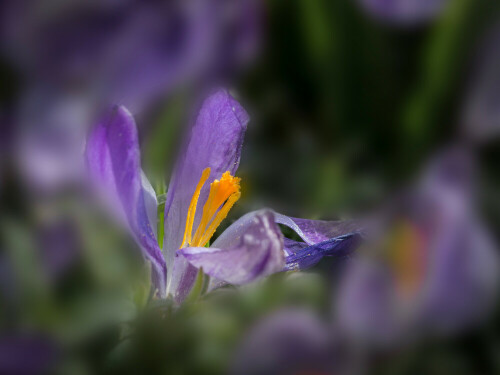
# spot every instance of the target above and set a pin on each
(222, 196)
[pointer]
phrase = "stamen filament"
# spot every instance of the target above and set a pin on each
(192, 207)
(222, 196)
(221, 215)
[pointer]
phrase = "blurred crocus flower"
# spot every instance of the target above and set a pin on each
(287, 342)
(404, 12)
(434, 270)
(204, 176)
(99, 53)
(128, 51)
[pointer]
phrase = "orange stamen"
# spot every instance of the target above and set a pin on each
(222, 196)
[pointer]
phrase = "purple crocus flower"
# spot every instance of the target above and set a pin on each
(404, 11)
(203, 177)
(434, 270)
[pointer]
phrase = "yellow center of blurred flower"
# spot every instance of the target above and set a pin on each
(407, 257)
(223, 195)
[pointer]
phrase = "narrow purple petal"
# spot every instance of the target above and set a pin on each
(291, 247)
(113, 158)
(258, 253)
(314, 231)
(307, 257)
(216, 140)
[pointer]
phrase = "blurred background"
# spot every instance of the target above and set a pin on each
(388, 109)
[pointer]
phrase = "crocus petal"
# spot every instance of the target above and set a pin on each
(314, 231)
(306, 257)
(113, 158)
(292, 247)
(258, 253)
(215, 142)
(151, 203)
(463, 287)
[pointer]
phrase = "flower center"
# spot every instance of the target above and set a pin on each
(408, 258)
(223, 195)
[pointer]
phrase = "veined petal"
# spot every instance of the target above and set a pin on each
(215, 142)
(151, 203)
(314, 231)
(113, 159)
(306, 257)
(291, 247)
(258, 252)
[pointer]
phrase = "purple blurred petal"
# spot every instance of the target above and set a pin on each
(481, 116)
(258, 252)
(51, 128)
(216, 140)
(404, 11)
(365, 305)
(59, 245)
(464, 289)
(26, 355)
(314, 231)
(130, 52)
(287, 342)
(113, 157)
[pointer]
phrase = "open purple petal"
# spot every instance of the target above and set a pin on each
(215, 142)
(257, 253)
(314, 231)
(113, 158)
